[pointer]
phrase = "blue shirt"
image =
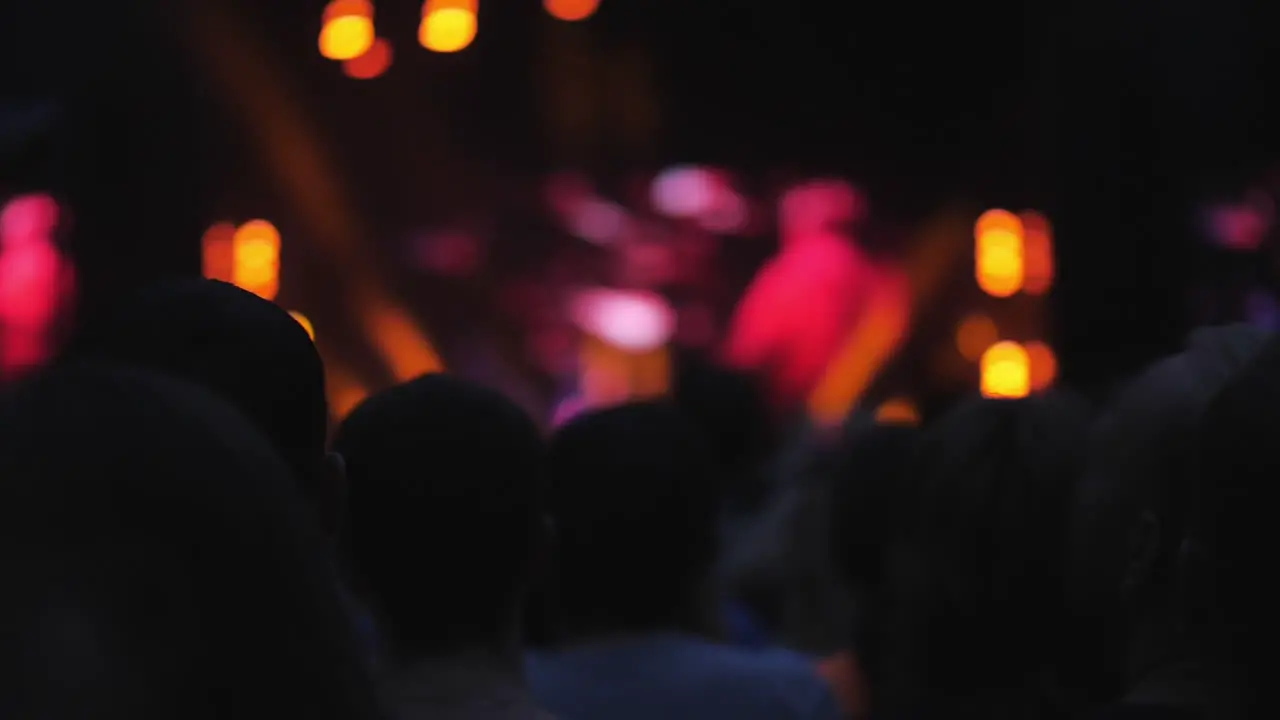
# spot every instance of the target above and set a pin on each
(674, 677)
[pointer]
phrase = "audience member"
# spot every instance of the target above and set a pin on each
(779, 569)
(249, 352)
(157, 563)
(634, 499)
(978, 586)
(446, 532)
(733, 414)
(1130, 518)
(870, 496)
(1227, 603)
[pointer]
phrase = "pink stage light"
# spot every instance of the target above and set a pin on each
(634, 321)
(684, 191)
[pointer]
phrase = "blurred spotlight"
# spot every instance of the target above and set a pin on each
(999, 265)
(347, 31)
(404, 348)
(597, 221)
(448, 25)
(372, 63)
(256, 258)
(36, 281)
(305, 322)
(571, 10)
(975, 334)
(218, 252)
(683, 192)
(624, 354)
(898, 411)
(1044, 365)
(1037, 253)
(1006, 371)
(631, 321)
(728, 214)
(1242, 226)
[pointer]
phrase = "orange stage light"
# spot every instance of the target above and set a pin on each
(218, 251)
(975, 334)
(1006, 371)
(371, 64)
(256, 258)
(1038, 253)
(571, 10)
(347, 31)
(999, 253)
(448, 25)
(1044, 365)
(898, 411)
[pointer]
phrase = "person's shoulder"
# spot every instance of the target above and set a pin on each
(787, 678)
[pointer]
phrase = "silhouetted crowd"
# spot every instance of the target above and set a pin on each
(186, 538)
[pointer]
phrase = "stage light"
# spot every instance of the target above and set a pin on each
(898, 411)
(448, 25)
(347, 31)
(1006, 371)
(371, 64)
(1038, 253)
(571, 10)
(999, 255)
(1044, 365)
(975, 334)
(218, 251)
(256, 258)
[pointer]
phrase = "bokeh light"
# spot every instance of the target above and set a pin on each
(1044, 365)
(598, 221)
(683, 192)
(305, 322)
(218, 252)
(1038, 266)
(630, 321)
(448, 25)
(898, 411)
(347, 31)
(370, 65)
(999, 253)
(975, 334)
(571, 10)
(256, 258)
(1006, 371)
(35, 281)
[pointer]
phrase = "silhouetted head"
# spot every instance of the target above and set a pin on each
(634, 501)
(985, 551)
(733, 414)
(248, 351)
(1130, 510)
(446, 512)
(1226, 559)
(870, 495)
(157, 564)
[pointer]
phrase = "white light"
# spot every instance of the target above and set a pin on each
(684, 191)
(632, 321)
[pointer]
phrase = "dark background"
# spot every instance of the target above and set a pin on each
(1115, 117)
